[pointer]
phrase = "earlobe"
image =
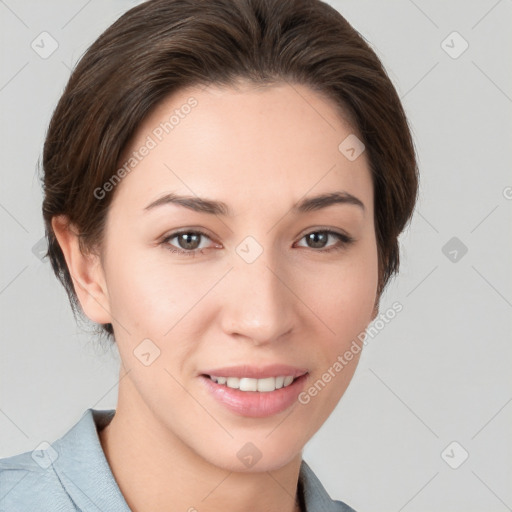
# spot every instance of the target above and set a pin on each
(86, 272)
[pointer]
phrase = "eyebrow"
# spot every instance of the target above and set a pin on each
(210, 206)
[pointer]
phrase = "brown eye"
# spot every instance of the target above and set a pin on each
(320, 240)
(317, 240)
(187, 241)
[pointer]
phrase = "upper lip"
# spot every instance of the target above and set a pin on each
(256, 372)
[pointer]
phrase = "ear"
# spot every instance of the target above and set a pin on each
(86, 272)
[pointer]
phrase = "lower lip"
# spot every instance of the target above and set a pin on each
(255, 404)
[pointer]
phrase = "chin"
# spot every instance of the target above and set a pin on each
(253, 454)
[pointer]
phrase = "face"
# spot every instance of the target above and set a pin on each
(218, 260)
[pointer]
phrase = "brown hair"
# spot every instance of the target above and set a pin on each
(161, 46)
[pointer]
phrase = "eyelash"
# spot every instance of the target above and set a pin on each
(345, 241)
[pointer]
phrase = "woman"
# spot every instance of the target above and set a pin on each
(224, 182)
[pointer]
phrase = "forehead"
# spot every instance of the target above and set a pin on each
(242, 144)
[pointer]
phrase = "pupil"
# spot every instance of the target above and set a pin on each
(317, 240)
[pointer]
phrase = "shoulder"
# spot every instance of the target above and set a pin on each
(68, 475)
(29, 482)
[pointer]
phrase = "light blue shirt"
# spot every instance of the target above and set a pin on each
(72, 474)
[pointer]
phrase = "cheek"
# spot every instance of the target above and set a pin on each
(344, 300)
(140, 290)
(343, 296)
(148, 294)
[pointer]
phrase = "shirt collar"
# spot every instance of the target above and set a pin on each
(82, 467)
(85, 474)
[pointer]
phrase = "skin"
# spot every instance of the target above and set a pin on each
(260, 150)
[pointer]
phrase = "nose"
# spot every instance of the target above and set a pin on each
(257, 302)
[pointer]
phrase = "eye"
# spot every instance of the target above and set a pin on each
(191, 242)
(188, 242)
(319, 240)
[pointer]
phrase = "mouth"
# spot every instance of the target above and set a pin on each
(255, 392)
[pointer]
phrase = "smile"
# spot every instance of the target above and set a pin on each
(259, 395)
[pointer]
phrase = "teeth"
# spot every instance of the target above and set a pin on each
(233, 382)
(287, 381)
(247, 384)
(265, 385)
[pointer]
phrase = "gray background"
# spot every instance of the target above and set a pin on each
(438, 373)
